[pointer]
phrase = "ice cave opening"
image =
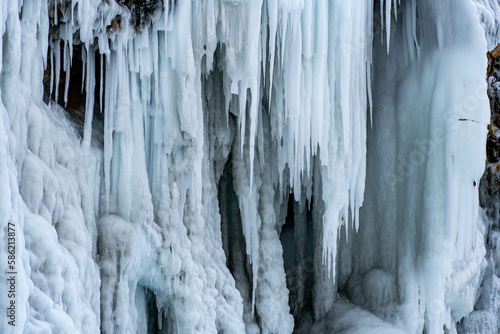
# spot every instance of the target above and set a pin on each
(233, 240)
(298, 252)
(157, 321)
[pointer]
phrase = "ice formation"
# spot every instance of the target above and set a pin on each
(244, 166)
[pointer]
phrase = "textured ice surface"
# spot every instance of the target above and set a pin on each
(349, 319)
(202, 118)
(420, 218)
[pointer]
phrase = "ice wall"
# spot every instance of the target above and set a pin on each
(48, 190)
(420, 223)
(164, 209)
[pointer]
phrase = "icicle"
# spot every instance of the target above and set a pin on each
(67, 70)
(57, 53)
(254, 121)
(51, 74)
(395, 6)
(388, 17)
(242, 99)
(369, 92)
(156, 70)
(101, 85)
(382, 19)
(55, 12)
(84, 63)
(73, 3)
(89, 103)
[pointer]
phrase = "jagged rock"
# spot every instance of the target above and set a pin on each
(488, 189)
(489, 194)
(493, 143)
(142, 9)
(493, 61)
(484, 319)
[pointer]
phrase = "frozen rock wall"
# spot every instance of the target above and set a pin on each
(234, 166)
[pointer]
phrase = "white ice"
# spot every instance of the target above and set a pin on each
(317, 98)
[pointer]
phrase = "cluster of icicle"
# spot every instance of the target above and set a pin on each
(295, 75)
(305, 64)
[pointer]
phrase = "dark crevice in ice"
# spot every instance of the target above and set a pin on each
(233, 240)
(156, 322)
(297, 241)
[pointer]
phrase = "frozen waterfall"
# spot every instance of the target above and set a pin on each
(244, 166)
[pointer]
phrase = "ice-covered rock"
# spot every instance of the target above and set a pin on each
(164, 210)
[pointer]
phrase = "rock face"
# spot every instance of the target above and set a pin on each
(489, 187)
(489, 198)
(141, 9)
